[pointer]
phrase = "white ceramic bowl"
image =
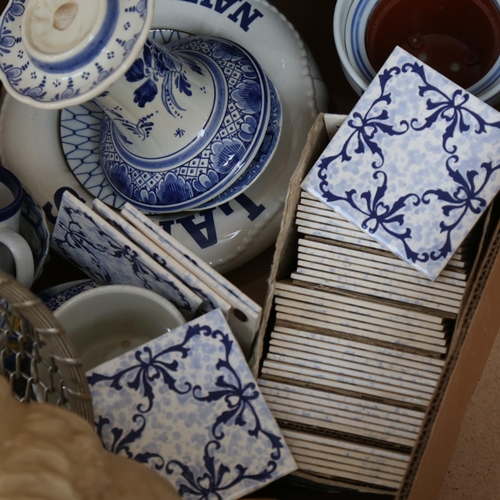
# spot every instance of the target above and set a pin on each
(105, 322)
(350, 22)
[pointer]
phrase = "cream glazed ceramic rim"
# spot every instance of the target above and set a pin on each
(50, 72)
(54, 30)
(226, 236)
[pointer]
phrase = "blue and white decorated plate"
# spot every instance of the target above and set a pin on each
(199, 159)
(80, 128)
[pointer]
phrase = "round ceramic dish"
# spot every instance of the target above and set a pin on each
(80, 128)
(351, 19)
(234, 232)
(201, 159)
(91, 58)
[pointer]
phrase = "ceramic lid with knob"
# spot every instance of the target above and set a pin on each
(181, 125)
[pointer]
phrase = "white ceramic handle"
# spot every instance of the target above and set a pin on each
(21, 251)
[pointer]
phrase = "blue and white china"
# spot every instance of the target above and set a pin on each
(350, 23)
(56, 53)
(203, 424)
(261, 160)
(414, 165)
(33, 228)
(243, 320)
(80, 127)
(210, 298)
(230, 234)
(181, 123)
(104, 254)
(57, 295)
(190, 260)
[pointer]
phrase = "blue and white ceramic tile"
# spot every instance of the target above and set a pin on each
(56, 296)
(210, 299)
(414, 165)
(186, 405)
(245, 314)
(36, 82)
(187, 258)
(107, 256)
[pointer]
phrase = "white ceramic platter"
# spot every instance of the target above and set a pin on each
(229, 235)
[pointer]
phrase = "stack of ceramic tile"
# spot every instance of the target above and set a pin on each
(357, 349)
(386, 235)
(128, 248)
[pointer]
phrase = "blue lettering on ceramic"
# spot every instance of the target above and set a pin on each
(195, 230)
(253, 210)
(245, 14)
(205, 231)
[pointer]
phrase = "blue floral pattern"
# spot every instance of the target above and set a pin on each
(191, 432)
(415, 163)
(166, 186)
(107, 256)
(80, 128)
(157, 67)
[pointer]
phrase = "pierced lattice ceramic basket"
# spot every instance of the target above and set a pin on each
(36, 354)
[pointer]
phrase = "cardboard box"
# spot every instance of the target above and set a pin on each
(475, 331)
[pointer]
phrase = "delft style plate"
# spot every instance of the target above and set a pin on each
(83, 75)
(210, 298)
(414, 165)
(196, 166)
(80, 127)
(107, 256)
(230, 234)
(187, 406)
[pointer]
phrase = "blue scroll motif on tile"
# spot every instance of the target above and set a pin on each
(110, 258)
(414, 164)
(187, 406)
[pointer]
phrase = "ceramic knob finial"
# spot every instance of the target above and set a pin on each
(58, 30)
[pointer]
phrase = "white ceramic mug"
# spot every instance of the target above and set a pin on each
(105, 322)
(16, 257)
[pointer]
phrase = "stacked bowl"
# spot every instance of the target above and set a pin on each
(461, 40)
